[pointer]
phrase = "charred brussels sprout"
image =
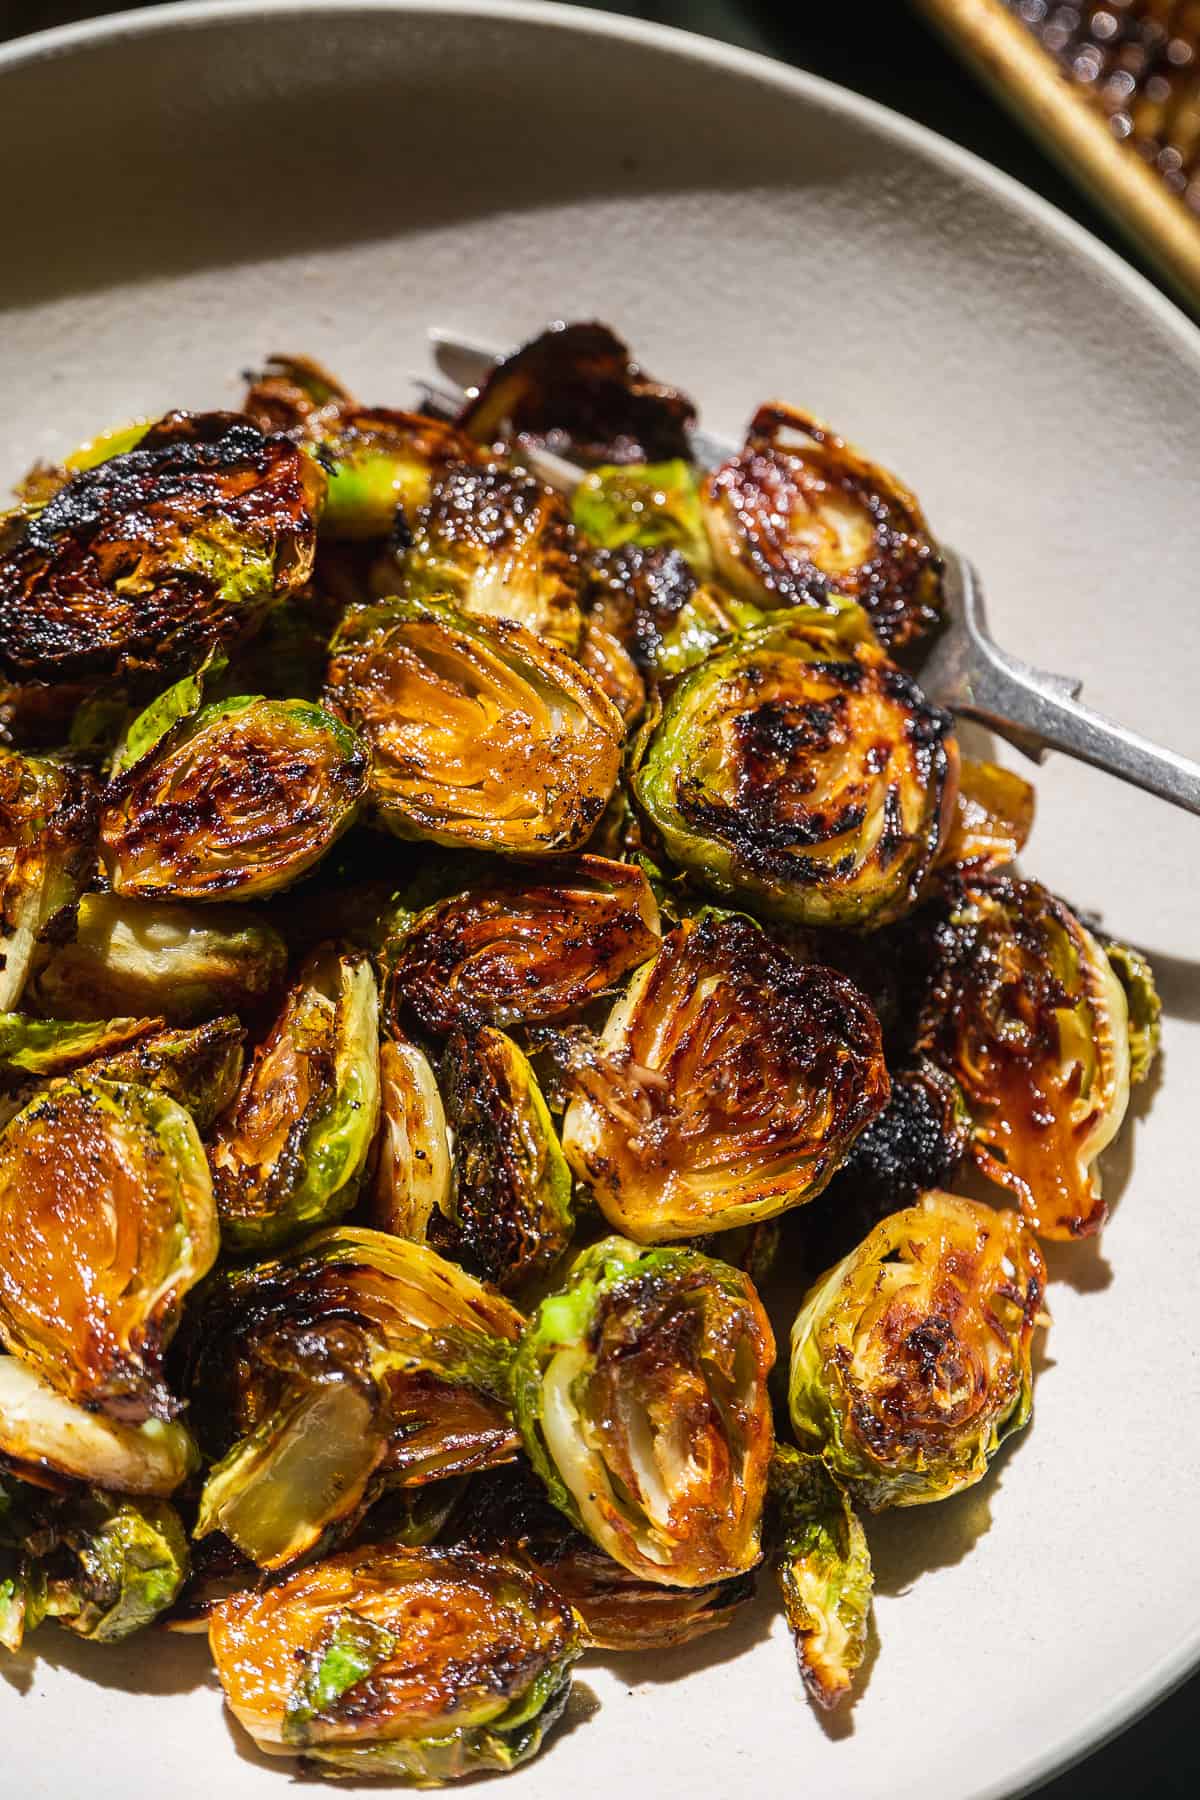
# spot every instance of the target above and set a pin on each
(234, 803)
(412, 1174)
(510, 1211)
(800, 516)
(729, 1082)
(199, 1067)
(652, 505)
(993, 816)
(53, 1440)
(47, 852)
(354, 1363)
(650, 599)
(824, 1569)
(800, 769)
(483, 735)
(575, 390)
(1144, 1006)
(50, 1047)
(510, 952)
(498, 543)
(609, 663)
(911, 1359)
(139, 956)
(290, 1151)
(641, 1392)
(139, 565)
(106, 1221)
(508, 1513)
(418, 1665)
(1028, 1015)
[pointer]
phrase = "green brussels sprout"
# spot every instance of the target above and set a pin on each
(22, 1596)
(824, 1569)
(233, 803)
(353, 1363)
(483, 735)
(53, 1439)
(799, 516)
(184, 963)
(139, 565)
(412, 1174)
(728, 1084)
(798, 769)
(47, 852)
(290, 1152)
(127, 1561)
(50, 1047)
(640, 1388)
(1142, 1004)
(526, 951)
(576, 391)
(145, 730)
(510, 1514)
(510, 1214)
(419, 1665)
(993, 816)
(652, 505)
(199, 1066)
(377, 459)
(1027, 1013)
(498, 543)
(650, 599)
(106, 1221)
(911, 1358)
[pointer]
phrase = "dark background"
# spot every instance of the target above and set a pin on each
(885, 51)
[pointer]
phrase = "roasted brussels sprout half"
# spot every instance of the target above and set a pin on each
(52, 1440)
(483, 735)
(799, 516)
(418, 1665)
(824, 1568)
(641, 1392)
(652, 505)
(47, 852)
(377, 459)
(139, 565)
(102, 1565)
(49, 1047)
(509, 1514)
(290, 1151)
(993, 817)
(609, 664)
(200, 1067)
(353, 1363)
(729, 1082)
(234, 803)
(800, 769)
(911, 1359)
(412, 1174)
(651, 600)
(499, 544)
(1028, 1015)
(184, 963)
(1136, 977)
(525, 951)
(106, 1221)
(510, 1214)
(575, 390)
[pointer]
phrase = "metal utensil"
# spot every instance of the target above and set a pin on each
(966, 670)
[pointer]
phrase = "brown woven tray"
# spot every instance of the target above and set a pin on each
(1113, 89)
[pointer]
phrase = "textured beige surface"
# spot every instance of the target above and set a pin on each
(204, 192)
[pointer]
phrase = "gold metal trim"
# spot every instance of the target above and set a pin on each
(1025, 76)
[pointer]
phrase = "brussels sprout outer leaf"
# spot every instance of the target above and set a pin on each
(993, 817)
(824, 1569)
(131, 1561)
(47, 853)
(1136, 976)
(55, 1046)
(647, 504)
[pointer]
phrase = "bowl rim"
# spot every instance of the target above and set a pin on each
(58, 42)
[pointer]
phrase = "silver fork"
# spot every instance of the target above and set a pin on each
(966, 671)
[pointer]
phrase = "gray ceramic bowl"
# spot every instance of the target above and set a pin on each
(194, 187)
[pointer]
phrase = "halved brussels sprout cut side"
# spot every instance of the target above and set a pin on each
(419, 1665)
(411, 1182)
(290, 1152)
(640, 1390)
(47, 849)
(53, 1439)
(106, 1222)
(911, 1359)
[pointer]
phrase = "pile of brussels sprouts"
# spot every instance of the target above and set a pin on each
(461, 938)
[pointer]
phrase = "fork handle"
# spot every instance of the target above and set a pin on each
(1036, 711)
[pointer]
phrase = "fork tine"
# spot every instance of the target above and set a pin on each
(465, 363)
